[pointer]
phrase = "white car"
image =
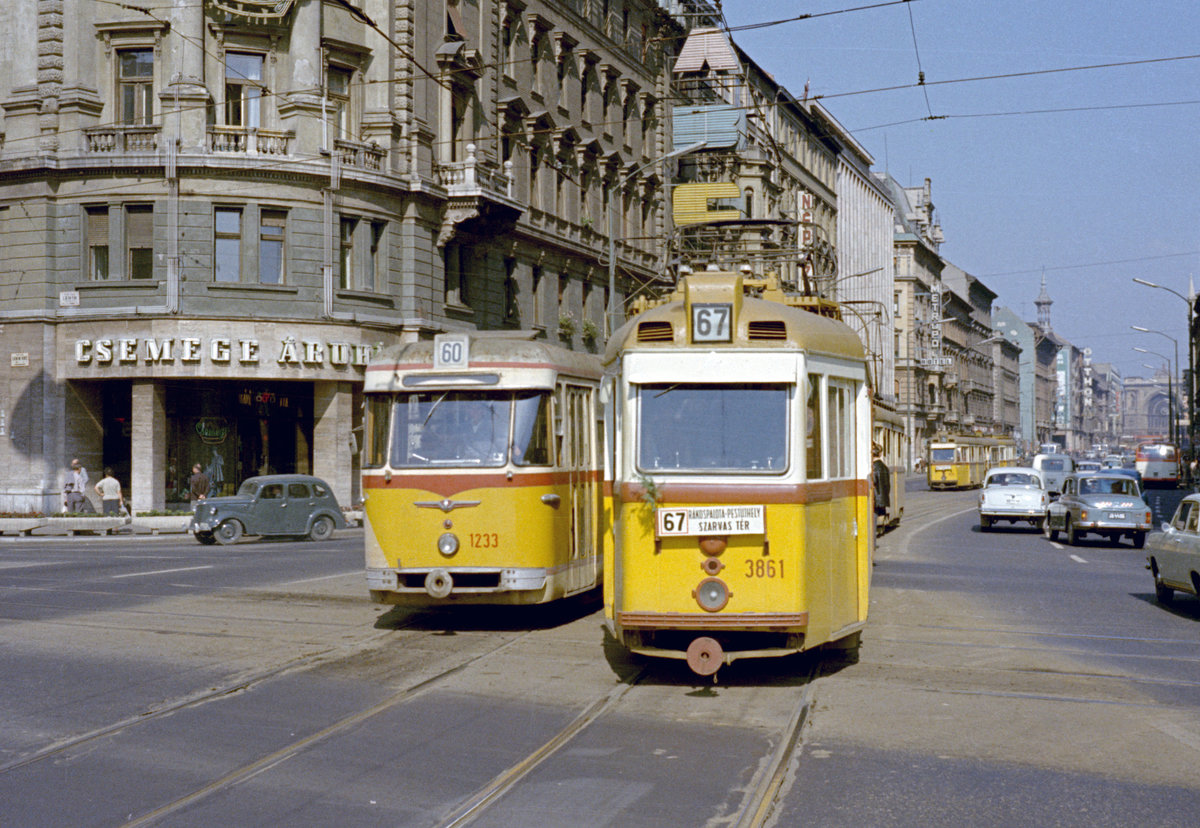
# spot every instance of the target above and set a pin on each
(1014, 494)
(1173, 555)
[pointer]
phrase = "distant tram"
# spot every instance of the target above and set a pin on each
(740, 460)
(959, 462)
(482, 472)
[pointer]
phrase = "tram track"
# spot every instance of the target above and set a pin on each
(241, 684)
(295, 748)
(760, 795)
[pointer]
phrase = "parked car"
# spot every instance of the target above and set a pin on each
(1173, 555)
(1013, 494)
(1103, 503)
(1053, 469)
(295, 505)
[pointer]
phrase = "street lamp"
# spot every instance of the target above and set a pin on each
(1172, 430)
(1191, 401)
(611, 311)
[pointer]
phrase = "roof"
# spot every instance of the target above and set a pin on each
(706, 47)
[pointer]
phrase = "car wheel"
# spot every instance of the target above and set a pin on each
(1050, 532)
(1139, 540)
(1039, 524)
(985, 524)
(1072, 534)
(1162, 592)
(206, 538)
(228, 531)
(322, 529)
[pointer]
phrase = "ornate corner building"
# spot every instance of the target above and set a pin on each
(212, 214)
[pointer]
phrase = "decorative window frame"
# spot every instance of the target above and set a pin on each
(120, 36)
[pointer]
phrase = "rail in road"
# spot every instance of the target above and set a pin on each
(596, 702)
(489, 718)
(747, 804)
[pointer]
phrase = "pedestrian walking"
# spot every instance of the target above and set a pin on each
(74, 491)
(109, 489)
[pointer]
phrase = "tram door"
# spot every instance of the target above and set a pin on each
(579, 461)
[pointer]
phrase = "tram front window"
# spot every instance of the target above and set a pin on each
(694, 427)
(941, 455)
(451, 428)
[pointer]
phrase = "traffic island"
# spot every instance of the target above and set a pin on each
(159, 524)
(21, 526)
(75, 525)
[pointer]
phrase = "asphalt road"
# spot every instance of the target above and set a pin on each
(1002, 680)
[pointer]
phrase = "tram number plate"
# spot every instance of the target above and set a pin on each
(710, 520)
(712, 322)
(450, 351)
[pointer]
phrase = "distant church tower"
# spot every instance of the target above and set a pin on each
(1043, 303)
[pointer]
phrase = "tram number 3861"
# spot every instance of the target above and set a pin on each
(762, 568)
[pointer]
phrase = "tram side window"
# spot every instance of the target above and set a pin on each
(376, 431)
(815, 427)
(531, 429)
(841, 431)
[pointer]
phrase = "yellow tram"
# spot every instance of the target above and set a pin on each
(741, 475)
(482, 472)
(891, 441)
(958, 462)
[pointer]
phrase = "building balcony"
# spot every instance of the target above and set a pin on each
(249, 141)
(122, 138)
(480, 197)
(370, 157)
(475, 177)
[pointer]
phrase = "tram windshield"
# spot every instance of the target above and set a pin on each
(941, 455)
(694, 427)
(470, 429)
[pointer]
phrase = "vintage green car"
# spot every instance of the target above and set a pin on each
(288, 505)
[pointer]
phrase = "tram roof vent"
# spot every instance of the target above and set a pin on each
(655, 332)
(767, 329)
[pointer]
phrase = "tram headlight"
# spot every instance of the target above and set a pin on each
(712, 594)
(448, 544)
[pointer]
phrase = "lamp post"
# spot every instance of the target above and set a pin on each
(1171, 430)
(1191, 392)
(611, 311)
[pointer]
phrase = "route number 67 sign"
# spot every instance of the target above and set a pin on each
(712, 322)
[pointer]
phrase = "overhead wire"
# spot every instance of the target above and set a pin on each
(912, 24)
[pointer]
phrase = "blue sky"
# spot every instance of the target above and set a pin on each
(1095, 197)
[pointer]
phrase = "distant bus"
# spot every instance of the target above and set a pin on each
(1158, 464)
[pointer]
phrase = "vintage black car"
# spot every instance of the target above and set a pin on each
(294, 505)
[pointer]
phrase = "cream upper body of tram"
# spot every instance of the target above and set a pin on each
(740, 467)
(482, 472)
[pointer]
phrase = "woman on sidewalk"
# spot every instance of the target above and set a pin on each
(109, 489)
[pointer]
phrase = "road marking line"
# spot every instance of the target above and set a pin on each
(1181, 734)
(1078, 559)
(160, 572)
(323, 577)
